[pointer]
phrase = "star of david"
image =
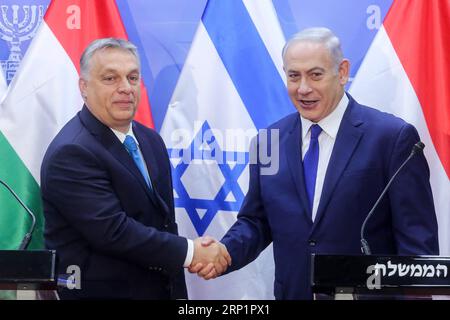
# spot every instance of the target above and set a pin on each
(231, 172)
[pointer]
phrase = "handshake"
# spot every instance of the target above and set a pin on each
(211, 258)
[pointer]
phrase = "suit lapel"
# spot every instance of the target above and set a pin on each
(108, 139)
(148, 154)
(152, 167)
(293, 155)
(347, 140)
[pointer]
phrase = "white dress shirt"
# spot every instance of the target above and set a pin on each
(121, 136)
(330, 126)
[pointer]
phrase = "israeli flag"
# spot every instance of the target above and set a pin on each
(231, 86)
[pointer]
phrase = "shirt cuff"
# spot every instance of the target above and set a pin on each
(189, 254)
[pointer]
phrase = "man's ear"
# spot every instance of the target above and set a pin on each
(82, 84)
(344, 71)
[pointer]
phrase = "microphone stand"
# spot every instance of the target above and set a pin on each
(27, 238)
(365, 248)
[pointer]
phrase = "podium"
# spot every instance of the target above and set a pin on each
(380, 277)
(28, 274)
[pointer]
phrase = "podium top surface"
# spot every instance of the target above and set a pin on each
(32, 269)
(379, 271)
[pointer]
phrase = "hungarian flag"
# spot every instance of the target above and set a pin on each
(407, 72)
(42, 97)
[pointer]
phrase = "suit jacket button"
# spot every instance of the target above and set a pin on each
(312, 243)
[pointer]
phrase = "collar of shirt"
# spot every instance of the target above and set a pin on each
(121, 136)
(330, 124)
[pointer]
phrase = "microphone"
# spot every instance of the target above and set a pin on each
(27, 238)
(418, 147)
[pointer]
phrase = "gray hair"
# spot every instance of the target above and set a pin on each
(318, 35)
(102, 44)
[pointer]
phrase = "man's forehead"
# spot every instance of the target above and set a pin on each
(306, 57)
(114, 59)
(109, 52)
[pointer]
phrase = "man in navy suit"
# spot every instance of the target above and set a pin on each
(336, 156)
(107, 191)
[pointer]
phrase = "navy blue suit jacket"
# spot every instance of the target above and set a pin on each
(369, 148)
(101, 216)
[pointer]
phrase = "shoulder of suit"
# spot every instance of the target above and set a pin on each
(70, 131)
(286, 122)
(380, 118)
(372, 115)
(152, 134)
(144, 129)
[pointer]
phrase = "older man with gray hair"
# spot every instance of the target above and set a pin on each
(107, 191)
(336, 157)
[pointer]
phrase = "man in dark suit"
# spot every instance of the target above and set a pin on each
(107, 191)
(336, 156)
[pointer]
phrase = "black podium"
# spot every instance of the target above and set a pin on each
(23, 270)
(380, 277)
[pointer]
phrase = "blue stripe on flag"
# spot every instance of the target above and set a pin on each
(247, 61)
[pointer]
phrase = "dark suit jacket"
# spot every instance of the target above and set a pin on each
(369, 148)
(101, 216)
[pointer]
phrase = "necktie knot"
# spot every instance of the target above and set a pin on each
(315, 131)
(130, 144)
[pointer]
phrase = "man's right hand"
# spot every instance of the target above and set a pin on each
(211, 258)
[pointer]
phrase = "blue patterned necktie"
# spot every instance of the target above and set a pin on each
(132, 148)
(310, 163)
